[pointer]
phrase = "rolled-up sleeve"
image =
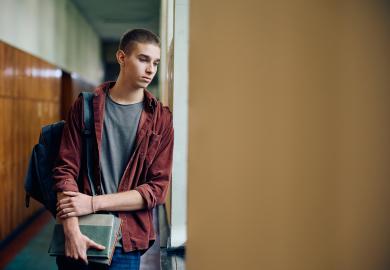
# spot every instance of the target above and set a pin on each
(68, 162)
(160, 171)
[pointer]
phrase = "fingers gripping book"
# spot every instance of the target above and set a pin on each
(101, 228)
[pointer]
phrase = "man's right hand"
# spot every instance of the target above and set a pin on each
(77, 244)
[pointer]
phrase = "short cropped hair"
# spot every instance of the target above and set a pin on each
(130, 38)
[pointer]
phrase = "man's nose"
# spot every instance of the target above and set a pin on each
(150, 68)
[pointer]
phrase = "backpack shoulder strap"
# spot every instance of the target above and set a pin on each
(88, 111)
(87, 134)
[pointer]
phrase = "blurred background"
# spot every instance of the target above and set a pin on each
(281, 116)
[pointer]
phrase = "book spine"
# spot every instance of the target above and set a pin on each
(114, 244)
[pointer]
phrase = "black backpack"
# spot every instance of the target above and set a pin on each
(38, 182)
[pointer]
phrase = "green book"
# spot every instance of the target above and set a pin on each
(101, 228)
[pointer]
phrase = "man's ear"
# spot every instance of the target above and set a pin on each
(120, 57)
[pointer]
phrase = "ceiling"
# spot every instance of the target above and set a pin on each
(110, 19)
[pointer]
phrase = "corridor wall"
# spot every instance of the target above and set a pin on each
(55, 31)
(30, 91)
(33, 93)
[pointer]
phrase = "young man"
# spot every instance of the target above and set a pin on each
(133, 157)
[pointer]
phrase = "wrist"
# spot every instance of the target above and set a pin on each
(72, 234)
(97, 203)
(71, 226)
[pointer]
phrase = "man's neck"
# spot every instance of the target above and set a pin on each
(123, 94)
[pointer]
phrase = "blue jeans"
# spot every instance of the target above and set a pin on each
(128, 261)
(120, 260)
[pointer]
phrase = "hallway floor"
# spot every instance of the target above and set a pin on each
(32, 254)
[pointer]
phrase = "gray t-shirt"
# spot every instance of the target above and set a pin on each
(118, 142)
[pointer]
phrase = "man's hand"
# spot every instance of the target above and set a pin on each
(74, 205)
(77, 244)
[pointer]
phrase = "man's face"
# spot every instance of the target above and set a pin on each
(140, 66)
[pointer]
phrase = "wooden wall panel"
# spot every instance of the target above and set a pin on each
(33, 93)
(72, 86)
(30, 92)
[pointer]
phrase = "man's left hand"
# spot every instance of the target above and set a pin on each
(75, 205)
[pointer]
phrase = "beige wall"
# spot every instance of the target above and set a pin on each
(289, 135)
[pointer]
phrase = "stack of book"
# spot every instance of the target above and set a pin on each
(101, 228)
